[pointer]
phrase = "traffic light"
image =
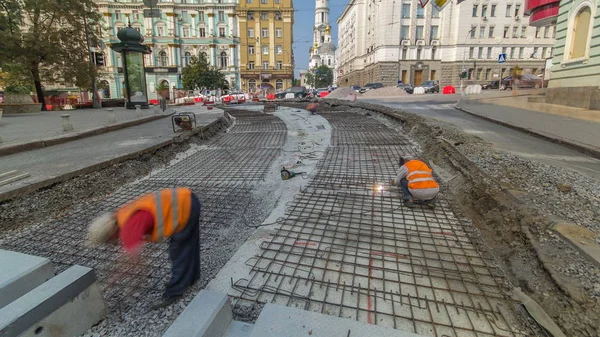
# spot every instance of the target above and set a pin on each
(99, 58)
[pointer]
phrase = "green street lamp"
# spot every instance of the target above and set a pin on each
(133, 51)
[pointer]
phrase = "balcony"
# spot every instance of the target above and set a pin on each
(542, 12)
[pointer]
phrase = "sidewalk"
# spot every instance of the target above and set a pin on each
(57, 163)
(31, 131)
(580, 134)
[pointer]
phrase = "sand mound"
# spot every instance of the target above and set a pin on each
(342, 93)
(385, 91)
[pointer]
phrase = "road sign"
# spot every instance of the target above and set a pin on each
(152, 13)
(501, 58)
(99, 58)
(150, 3)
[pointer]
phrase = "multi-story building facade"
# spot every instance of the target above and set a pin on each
(266, 37)
(396, 40)
(184, 28)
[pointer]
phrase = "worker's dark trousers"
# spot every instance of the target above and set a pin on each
(184, 251)
(405, 191)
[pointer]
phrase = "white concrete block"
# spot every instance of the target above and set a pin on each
(20, 274)
(208, 315)
(69, 304)
(281, 321)
(419, 91)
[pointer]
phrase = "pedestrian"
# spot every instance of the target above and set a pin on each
(416, 180)
(173, 213)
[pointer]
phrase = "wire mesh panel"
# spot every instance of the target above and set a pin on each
(223, 174)
(349, 247)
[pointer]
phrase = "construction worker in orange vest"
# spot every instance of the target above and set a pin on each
(416, 181)
(173, 213)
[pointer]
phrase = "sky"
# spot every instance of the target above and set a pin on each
(304, 21)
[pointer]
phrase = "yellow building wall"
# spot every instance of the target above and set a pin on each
(245, 12)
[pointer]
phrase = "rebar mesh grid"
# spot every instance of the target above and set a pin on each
(222, 175)
(347, 248)
(358, 130)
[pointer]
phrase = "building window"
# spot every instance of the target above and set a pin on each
(406, 10)
(251, 50)
(489, 53)
(493, 11)
(419, 51)
(521, 50)
(506, 28)
(277, 1)
(329, 62)
(264, 2)
(433, 50)
(160, 30)
(278, 32)
(479, 73)
(514, 32)
(491, 32)
(471, 52)
(473, 32)
(579, 32)
(523, 31)
(546, 32)
(503, 50)
(278, 16)
(202, 32)
(508, 11)
(201, 16)
(481, 32)
(250, 15)
(162, 59)
(433, 33)
(419, 32)
(251, 65)
(265, 50)
(420, 12)
(250, 32)
(435, 13)
(265, 32)
(279, 49)
(404, 53)
(186, 31)
(252, 85)
(221, 16)
(480, 53)
(117, 15)
(404, 32)
(517, 7)
(264, 16)
(265, 65)
(484, 10)
(187, 58)
(279, 85)
(488, 73)
(512, 53)
(535, 52)
(279, 65)
(475, 8)
(223, 60)
(544, 52)
(221, 32)
(537, 32)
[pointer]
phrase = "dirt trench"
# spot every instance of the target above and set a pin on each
(511, 228)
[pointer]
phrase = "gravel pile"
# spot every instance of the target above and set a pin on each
(563, 193)
(385, 91)
(342, 93)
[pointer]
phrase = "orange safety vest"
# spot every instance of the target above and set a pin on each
(170, 208)
(419, 175)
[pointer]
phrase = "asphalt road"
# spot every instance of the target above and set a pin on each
(441, 108)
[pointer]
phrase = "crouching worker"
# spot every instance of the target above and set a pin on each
(153, 217)
(416, 181)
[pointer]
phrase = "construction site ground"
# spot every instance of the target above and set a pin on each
(336, 239)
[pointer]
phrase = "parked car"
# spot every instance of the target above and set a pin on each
(356, 88)
(406, 87)
(431, 86)
(299, 92)
(526, 81)
(371, 86)
(491, 85)
(320, 90)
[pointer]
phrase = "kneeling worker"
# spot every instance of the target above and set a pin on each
(416, 181)
(173, 213)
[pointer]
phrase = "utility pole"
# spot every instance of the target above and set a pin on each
(95, 101)
(464, 57)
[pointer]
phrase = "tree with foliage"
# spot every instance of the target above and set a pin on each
(320, 77)
(48, 39)
(199, 75)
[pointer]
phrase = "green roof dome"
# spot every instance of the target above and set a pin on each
(130, 35)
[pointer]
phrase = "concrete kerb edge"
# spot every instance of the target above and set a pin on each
(39, 185)
(40, 143)
(591, 151)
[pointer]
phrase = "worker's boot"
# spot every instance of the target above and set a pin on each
(409, 203)
(163, 301)
(430, 203)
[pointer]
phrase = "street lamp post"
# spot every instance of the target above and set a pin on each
(463, 62)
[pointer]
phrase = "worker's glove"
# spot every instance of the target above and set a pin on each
(393, 182)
